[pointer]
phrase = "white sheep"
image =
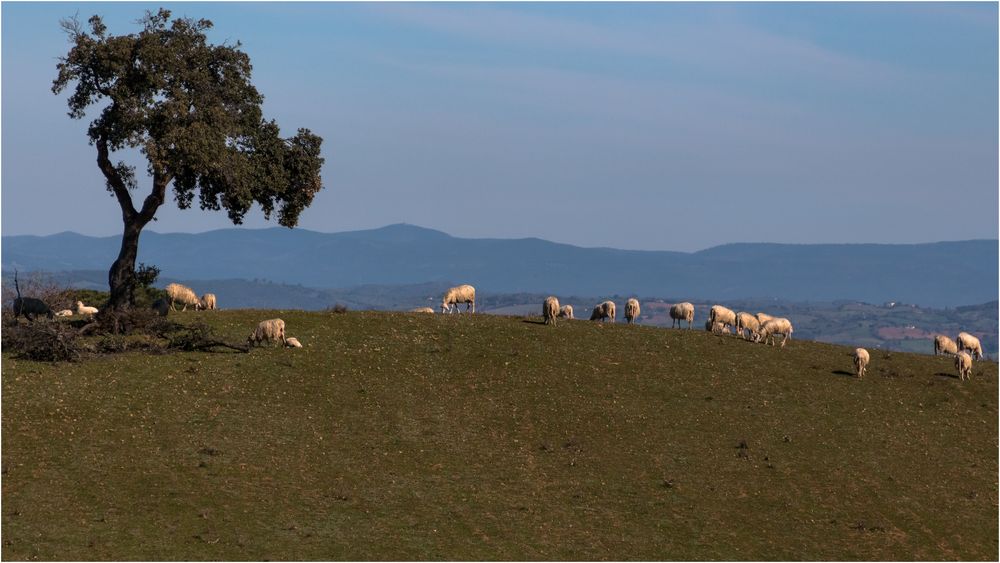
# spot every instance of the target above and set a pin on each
(292, 342)
(80, 309)
(763, 317)
(963, 363)
(776, 326)
(944, 345)
(271, 330)
(604, 311)
(208, 302)
(747, 323)
(720, 314)
(550, 309)
(459, 294)
(682, 312)
(716, 327)
(566, 312)
(861, 359)
(177, 293)
(64, 313)
(422, 310)
(968, 342)
(631, 310)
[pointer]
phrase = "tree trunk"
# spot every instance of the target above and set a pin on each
(121, 277)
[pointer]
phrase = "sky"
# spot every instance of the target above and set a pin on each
(656, 126)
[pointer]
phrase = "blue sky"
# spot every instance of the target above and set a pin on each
(647, 126)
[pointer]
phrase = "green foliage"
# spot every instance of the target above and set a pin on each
(145, 276)
(476, 437)
(191, 109)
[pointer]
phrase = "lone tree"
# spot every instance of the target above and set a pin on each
(190, 109)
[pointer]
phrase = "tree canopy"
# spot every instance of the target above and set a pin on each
(191, 109)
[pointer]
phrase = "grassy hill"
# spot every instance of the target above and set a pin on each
(404, 436)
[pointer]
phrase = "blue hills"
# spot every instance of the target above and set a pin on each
(943, 274)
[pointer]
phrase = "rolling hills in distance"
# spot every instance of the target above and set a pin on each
(840, 293)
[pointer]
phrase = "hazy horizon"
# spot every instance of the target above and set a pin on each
(267, 227)
(669, 126)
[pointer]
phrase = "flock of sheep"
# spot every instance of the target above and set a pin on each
(272, 330)
(760, 328)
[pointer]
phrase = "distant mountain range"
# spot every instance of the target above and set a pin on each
(944, 274)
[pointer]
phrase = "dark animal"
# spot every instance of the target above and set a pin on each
(161, 306)
(29, 306)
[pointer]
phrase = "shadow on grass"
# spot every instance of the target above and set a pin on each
(533, 322)
(842, 372)
(943, 374)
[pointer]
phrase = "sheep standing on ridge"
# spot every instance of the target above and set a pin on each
(631, 310)
(459, 294)
(604, 311)
(970, 343)
(861, 359)
(963, 363)
(720, 314)
(747, 323)
(208, 302)
(763, 317)
(682, 312)
(550, 310)
(271, 330)
(177, 293)
(944, 345)
(716, 327)
(776, 326)
(80, 309)
(566, 312)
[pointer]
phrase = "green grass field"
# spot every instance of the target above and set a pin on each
(404, 436)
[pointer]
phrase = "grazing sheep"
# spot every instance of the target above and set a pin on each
(64, 313)
(550, 310)
(968, 342)
(80, 309)
(682, 312)
(720, 314)
(716, 328)
(271, 330)
(763, 317)
(29, 306)
(566, 312)
(749, 323)
(182, 294)
(776, 326)
(459, 294)
(861, 359)
(944, 345)
(604, 311)
(161, 306)
(422, 310)
(963, 363)
(208, 302)
(293, 342)
(631, 310)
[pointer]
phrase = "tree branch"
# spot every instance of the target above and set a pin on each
(114, 180)
(155, 198)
